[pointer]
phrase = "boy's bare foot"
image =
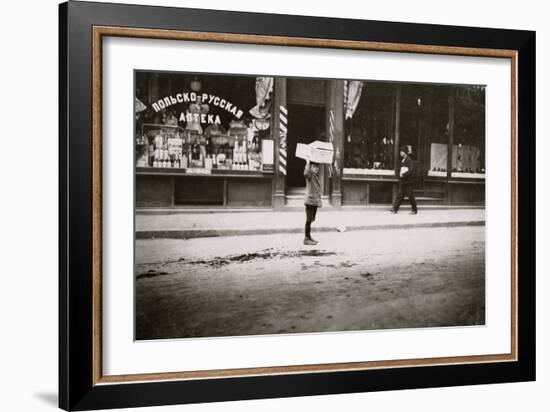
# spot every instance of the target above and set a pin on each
(309, 242)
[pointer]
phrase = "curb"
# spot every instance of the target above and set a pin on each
(287, 209)
(200, 233)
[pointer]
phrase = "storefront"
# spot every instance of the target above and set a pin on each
(224, 141)
(443, 127)
(197, 143)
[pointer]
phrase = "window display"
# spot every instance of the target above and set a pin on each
(185, 127)
(438, 159)
(468, 159)
(168, 146)
(369, 128)
(438, 106)
(459, 125)
(442, 125)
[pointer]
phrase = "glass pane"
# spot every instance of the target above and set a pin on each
(369, 133)
(436, 119)
(469, 133)
(201, 122)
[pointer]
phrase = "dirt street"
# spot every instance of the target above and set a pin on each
(255, 285)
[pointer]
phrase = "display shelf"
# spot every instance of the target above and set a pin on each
(368, 172)
(437, 173)
(464, 175)
(157, 171)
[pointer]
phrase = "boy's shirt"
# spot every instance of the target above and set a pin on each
(313, 187)
(409, 164)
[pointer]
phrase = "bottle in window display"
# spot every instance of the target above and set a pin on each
(242, 150)
(195, 153)
(216, 137)
(375, 156)
(246, 150)
(156, 157)
(151, 150)
(240, 159)
(238, 132)
(244, 155)
(382, 154)
(256, 142)
(236, 160)
(228, 151)
(158, 148)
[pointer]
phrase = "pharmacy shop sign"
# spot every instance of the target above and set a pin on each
(199, 105)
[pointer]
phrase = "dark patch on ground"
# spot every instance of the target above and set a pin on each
(263, 254)
(150, 274)
(217, 262)
(318, 264)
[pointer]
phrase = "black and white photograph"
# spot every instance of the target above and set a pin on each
(269, 205)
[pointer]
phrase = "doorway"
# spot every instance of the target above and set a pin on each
(306, 123)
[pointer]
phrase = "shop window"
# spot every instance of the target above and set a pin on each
(436, 121)
(468, 151)
(203, 123)
(414, 102)
(369, 128)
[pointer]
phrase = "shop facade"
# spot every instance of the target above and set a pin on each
(224, 141)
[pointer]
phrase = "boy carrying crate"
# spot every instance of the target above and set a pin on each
(312, 198)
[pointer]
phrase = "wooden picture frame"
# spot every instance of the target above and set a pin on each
(82, 385)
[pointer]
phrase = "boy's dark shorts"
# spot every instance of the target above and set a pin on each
(311, 211)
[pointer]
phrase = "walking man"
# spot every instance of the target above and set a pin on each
(406, 183)
(312, 199)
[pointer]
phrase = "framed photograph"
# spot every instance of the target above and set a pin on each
(256, 206)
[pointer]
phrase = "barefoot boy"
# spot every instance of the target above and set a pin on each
(312, 199)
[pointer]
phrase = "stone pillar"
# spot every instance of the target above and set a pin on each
(396, 143)
(335, 132)
(452, 93)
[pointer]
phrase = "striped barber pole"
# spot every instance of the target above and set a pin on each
(331, 136)
(345, 94)
(283, 123)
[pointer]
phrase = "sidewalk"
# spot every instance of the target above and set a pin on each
(204, 224)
